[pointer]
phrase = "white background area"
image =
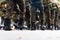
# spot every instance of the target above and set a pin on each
(29, 35)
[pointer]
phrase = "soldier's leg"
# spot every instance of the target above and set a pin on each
(7, 24)
(55, 19)
(40, 7)
(33, 18)
(27, 18)
(37, 21)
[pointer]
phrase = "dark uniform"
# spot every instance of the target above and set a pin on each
(7, 23)
(27, 15)
(37, 4)
(19, 11)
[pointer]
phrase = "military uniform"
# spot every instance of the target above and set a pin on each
(37, 4)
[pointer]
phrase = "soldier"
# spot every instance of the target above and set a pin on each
(7, 21)
(6, 17)
(37, 4)
(54, 14)
(47, 14)
(56, 17)
(27, 15)
(19, 7)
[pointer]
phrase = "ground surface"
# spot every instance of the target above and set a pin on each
(29, 35)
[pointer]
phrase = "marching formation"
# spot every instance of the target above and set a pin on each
(29, 15)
